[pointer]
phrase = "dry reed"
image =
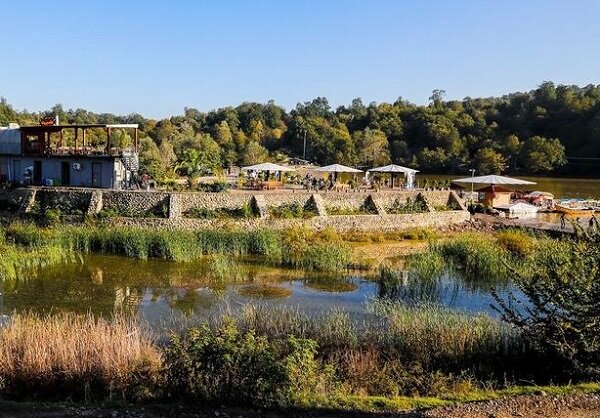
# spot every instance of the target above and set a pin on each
(76, 352)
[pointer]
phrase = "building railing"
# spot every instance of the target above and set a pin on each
(81, 151)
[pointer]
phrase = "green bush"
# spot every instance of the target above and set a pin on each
(292, 211)
(408, 206)
(227, 365)
(562, 291)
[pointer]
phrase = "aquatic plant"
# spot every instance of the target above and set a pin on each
(14, 260)
(476, 256)
(323, 251)
(517, 242)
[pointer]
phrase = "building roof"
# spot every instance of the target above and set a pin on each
(57, 128)
(494, 189)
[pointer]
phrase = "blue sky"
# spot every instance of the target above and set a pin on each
(156, 57)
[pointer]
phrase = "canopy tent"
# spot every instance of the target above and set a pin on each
(493, 180)
(392, 169)
(267, 167)
(338, 168)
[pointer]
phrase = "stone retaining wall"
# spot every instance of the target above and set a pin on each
(12, 199)
(341, 223)
(134, 203)
(147, 208)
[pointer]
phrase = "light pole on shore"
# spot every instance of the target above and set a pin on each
(304, 148)
(472, 170)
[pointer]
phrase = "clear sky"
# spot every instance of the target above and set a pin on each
(157, 57)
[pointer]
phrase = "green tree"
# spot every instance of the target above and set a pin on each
(434, 160)
(197, 162)
(254, 154)
(543, 154)
(512, 148)
(156, 161)
(488, 161)
(372, 147)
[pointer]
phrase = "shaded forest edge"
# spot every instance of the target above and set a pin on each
(553, 130)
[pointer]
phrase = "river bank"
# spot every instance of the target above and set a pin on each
(579, 404)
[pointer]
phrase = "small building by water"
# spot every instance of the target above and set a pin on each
(42, 155)
(494, 196)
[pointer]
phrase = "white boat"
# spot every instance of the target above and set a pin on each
(519, 209)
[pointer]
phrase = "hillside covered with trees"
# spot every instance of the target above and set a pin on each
(550, 130)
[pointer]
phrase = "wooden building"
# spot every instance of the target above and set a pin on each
(494, 196)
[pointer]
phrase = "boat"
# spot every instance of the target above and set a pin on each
(573, 210)
(519, 209)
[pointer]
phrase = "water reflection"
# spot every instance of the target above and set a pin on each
(161, 292)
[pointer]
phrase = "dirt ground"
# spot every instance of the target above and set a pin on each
(539, 406)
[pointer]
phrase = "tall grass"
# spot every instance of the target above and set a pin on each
(298, 248)
(401, 349)
(476, 255)
(76, 354)
(14, 260)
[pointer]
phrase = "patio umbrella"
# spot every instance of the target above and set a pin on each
(337, 168)
(493, 180)
(392, 169)
(268, 167)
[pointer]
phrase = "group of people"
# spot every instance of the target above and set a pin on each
(593, 223)
(311, 182)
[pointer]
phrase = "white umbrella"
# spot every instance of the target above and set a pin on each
(393, 168)
(268, 167)
(338, 168)
(493, 180)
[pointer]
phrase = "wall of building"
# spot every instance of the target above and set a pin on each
(51, 169)
(10, 141)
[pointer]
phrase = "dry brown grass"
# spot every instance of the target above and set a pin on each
(78, 353)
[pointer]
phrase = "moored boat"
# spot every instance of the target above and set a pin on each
(573, 210)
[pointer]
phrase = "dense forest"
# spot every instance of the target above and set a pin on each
(550, 130)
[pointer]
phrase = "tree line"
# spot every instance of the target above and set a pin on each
(552, 130)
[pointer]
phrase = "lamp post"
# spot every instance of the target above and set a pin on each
(472, 170)
(304, 148)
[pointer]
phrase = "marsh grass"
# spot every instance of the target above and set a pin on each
(400, 349)
(297, 248)
(476, 257)
(14, 260)
(516, 242)
(77, 354)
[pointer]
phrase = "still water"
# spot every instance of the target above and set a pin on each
(164, 293)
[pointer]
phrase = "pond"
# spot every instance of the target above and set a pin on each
(166, 293)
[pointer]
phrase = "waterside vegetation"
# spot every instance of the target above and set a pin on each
(407, 352)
